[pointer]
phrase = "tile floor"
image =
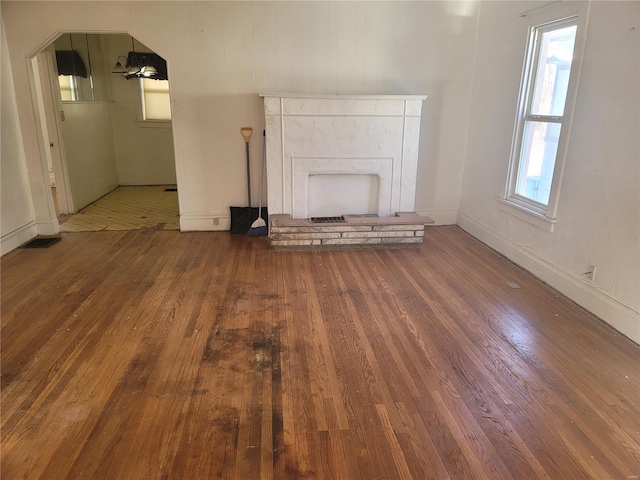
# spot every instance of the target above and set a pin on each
(128, 208)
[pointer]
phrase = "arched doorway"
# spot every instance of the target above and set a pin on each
(106, 131)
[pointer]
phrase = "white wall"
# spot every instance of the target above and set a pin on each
(221, 55)
(88, 145)
(599, 208)
(18, 219)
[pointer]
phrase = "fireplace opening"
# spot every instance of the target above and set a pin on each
(334, 195)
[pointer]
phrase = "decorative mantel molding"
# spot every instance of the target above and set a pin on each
(311, 134)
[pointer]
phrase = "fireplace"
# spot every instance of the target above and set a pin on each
(333, 155)
(343, 155)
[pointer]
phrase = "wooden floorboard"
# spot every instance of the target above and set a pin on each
(165, 355)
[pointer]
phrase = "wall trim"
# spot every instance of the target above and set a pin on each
(147, 179)
(440, 217)
(624, 319)
(204, 223)
(21, 235)
(48, 226)
(90, 196)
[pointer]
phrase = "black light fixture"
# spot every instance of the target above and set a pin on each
(148, 71)
(132, 65)
(119, 68)
(132, 70)
(136, 65)
(141, 65)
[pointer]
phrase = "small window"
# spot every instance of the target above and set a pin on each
(540, 123)
(68, 88)
(156, 103)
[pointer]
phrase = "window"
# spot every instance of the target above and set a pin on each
(68, 88)
(155, 99)
(544, 111)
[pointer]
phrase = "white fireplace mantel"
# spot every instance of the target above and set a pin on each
(311, 134)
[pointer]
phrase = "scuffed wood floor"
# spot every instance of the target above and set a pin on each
(166, 355)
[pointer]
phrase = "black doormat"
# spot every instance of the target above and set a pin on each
(41, 242)
(171, 189)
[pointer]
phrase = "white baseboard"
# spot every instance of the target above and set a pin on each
(204, 223)
(12, 240)
(95, 193)
(48, 226)
(619, 316)
(144, 179)
(440, 217)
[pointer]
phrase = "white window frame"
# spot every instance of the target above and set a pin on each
(539, 20)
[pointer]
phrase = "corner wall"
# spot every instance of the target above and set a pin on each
(88, 145)
(18, 219)
(599, 208)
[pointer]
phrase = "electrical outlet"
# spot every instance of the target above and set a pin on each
(216, 221)
(591, 272)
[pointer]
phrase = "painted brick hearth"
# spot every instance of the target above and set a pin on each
(405, 228)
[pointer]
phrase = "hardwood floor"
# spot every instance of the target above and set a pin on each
(161, 355)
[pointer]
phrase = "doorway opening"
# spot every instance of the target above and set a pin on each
(105, 112)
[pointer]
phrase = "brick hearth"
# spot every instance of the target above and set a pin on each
(405, 228)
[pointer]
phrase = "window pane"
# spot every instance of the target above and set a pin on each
(539, 147)
(68, 90)
(156, 99)
(552, 75)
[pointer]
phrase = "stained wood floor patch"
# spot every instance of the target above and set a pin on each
(167, 355)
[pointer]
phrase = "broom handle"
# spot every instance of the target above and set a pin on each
(264, 165)
(248, 174)
(246, 134)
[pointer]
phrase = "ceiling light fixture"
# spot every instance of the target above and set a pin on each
(136, 65)
(118, 67)
(148, 71)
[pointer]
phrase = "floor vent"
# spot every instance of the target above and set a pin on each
(339, 219)
(171, 189)
(41, 242)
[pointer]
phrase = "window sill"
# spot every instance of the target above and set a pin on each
(153, 123)
(528, 215)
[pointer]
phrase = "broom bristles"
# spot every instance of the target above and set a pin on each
(259, 222)
(258, 231)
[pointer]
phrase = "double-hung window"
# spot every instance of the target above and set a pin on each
(68, 88)
(542, 123)
(155, 99)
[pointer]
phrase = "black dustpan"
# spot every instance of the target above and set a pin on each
(242, 218)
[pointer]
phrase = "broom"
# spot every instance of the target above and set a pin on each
(259, 227)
